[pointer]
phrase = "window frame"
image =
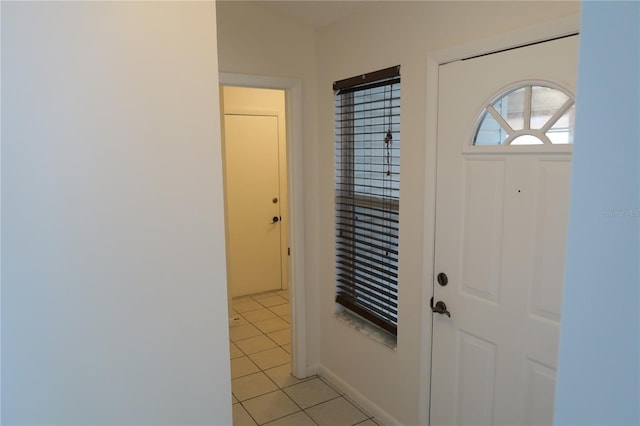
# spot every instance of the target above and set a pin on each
(364, 286)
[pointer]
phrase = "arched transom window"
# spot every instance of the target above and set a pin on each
(528, 115)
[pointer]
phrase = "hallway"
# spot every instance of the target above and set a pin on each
(264, 391)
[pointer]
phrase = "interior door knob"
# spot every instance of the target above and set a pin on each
(441, 308)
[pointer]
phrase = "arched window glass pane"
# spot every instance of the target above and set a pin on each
(490, 132)
(536, 114)
(562, 131)
(526, 140)
(545, 101)
(511, 108)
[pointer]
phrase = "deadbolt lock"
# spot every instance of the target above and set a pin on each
(443, 279)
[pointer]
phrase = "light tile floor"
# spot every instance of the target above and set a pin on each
(264, 391)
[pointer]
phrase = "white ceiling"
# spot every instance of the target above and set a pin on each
(315, 13)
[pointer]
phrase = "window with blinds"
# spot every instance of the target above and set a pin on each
(367, 144)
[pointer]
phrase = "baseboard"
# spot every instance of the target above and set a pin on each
(366, 404)
(313, 370)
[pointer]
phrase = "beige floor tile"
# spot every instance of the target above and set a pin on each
(264, 295)
(241, 417)
(251, 386)
(286, 317)
(368, 422)
(283, 293)
(287, 348)
(281, 337)
(259, 315)
(337, 412)
(270, 407)
(242, 367)
(270, 358)
(309, 393)
(281, 309)
(245, 305)
(243, 332)
(235, 400)
(335, 388)
(282, 376)
(273, 300)
(297, 419)
(237, 320)
(234, 351)
(255, 344)
(271, 325)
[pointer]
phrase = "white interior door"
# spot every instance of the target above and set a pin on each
(500, 239)
(252, 203)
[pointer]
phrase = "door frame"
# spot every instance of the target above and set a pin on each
(293, 113)
(509, 40)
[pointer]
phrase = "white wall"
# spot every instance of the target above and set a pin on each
(599, 364)
(379, 35)
(113, 271)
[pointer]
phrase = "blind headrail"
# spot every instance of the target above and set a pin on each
(364, 79)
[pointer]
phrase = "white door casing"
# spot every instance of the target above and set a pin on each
(253, 217)
(501, 217)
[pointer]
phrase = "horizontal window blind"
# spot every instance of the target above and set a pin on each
(367, 144)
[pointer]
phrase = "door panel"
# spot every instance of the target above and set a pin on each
(252, 183)
(541, 384)
(477, 361)
(501, 220)
(482, 228)
(551, 226)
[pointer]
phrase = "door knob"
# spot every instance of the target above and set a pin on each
(441, 308)
(275, 219)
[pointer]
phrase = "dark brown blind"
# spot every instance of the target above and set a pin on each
(367, 142)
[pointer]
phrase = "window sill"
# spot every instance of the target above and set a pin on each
(365, 327)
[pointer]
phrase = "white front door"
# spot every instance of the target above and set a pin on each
(252, 203)
(501, 219)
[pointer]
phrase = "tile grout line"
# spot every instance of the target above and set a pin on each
(263, 371)
(279, 388)
(248, 413)
(332, 386)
